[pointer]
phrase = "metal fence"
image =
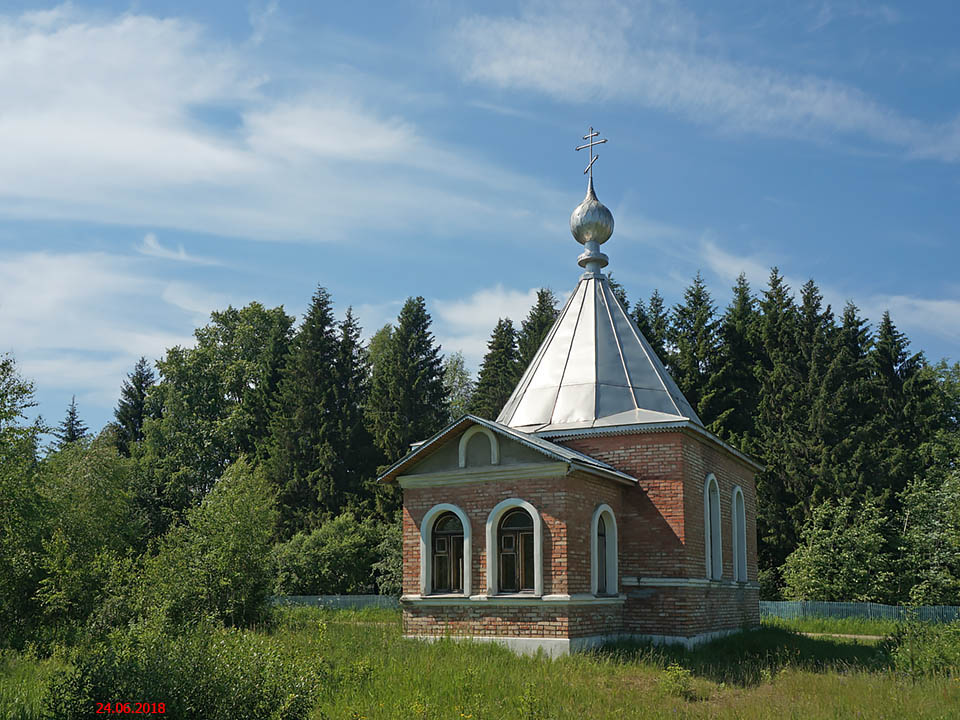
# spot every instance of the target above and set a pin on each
(340, 602)
(874, 611)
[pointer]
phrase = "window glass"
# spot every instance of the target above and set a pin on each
(508, 572)
(601, 556)
(448, 523)
(527, 561)
(447, 554)
(515, 543)
(517, 520)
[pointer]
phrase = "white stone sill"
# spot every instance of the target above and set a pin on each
(515, 599)
(687, 582)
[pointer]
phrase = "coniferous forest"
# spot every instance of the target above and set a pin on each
(245, 466)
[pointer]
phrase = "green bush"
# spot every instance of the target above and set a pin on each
(207, 672)
(218, 564)
(839, 555)
(336, 558)
(919, 649)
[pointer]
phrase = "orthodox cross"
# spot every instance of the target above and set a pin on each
(591, 134)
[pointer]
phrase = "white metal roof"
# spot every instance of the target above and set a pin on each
(594, 369)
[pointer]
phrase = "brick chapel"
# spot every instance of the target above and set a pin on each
(597, 507)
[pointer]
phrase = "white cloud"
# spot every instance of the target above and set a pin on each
(194, 300)
(653, 54)
(466, 324)
(107, 119)
(151, 246)
(78, 321)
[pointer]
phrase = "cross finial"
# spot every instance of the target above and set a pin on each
(591, 134)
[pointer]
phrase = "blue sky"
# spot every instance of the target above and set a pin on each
(164, 159)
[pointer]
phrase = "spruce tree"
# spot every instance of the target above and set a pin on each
(619, 292)
(730, 400)
(301, 457)
(693, 335)
(906, 410)
(843, 411)
(71, 428)
(355, 456)
(779, 427)
(408, 401)
(533, 330)
(815, 334)
(654, 322)
(131, 410)
(498, 373)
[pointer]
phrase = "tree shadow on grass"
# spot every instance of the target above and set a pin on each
(754, 656)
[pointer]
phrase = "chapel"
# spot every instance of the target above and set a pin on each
(596, 507)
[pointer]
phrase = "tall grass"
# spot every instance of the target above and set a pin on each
(368, 670)
(845, 626)
(23, 678)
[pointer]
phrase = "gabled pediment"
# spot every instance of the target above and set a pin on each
(476, 449)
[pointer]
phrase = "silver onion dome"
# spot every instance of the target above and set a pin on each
(592, 225)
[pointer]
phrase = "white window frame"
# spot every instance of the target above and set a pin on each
(712, 529)
(738, 513)
(426, 548)
(493, 523)
(613, 546)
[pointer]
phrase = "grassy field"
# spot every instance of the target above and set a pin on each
(772, 672)
(846, 626)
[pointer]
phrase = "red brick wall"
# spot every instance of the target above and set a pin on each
(566, 505)
(701, 458)
(660, 534)
(662, 527)
(687, 612)
(651, 521)
(547, 620)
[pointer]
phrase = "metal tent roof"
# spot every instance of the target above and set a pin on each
(595, 369)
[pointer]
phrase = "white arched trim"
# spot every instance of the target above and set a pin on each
(493, 521)
(494, 445)
(713, 545)
(610, 521)
(738, 513)
(426, 547)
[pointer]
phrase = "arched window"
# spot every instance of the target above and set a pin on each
(603, 552)
(711, 528)
(515, 548)
(601, 556)
(739, 536)
(447, 540)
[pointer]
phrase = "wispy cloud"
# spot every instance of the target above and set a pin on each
(78, 321)
(465, 324)
(151, 246)
(653, 54)
(827, 12)
(116, 119)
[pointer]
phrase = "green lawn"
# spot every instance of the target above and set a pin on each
(847, 626)
(767, 673)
